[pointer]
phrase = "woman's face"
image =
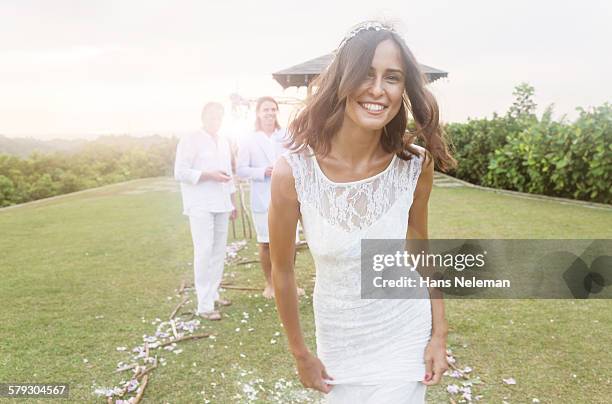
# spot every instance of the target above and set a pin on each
(379, 98)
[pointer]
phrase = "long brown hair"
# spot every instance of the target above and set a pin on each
(323, 114)
(258, 105)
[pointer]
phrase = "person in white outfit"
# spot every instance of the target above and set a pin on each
(257, 153)
(354, 173)
(204, 168)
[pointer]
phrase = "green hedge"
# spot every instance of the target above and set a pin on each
(520, 152)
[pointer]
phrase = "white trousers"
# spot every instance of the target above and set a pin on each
(209, 235)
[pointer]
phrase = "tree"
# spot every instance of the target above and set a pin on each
(523, 107)
(7, 191)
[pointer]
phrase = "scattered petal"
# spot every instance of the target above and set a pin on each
(452, 389)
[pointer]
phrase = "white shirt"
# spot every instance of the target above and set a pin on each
(258, 151)
(196, 153)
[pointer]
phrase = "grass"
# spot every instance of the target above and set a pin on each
(87, 273)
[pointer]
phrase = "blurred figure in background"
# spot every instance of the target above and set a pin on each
(257, 153)
(204, 168)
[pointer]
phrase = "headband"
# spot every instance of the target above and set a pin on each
(364, 26)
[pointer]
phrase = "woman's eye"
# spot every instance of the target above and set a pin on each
(393, 79)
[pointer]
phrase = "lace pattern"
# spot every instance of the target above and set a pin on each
(352, 206)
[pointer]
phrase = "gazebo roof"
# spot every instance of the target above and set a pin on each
(304, 73)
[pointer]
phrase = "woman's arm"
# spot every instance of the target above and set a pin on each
(435, 355)
(283, 216)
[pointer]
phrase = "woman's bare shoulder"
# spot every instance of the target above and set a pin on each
(283, 181)
(283, 169)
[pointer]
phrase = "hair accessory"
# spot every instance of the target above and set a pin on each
(364, 26)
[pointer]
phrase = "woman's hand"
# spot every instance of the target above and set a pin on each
(435, 360)
(312, 373)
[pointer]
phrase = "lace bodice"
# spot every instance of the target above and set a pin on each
(353, 205)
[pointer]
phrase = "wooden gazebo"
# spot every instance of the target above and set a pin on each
(303, 74)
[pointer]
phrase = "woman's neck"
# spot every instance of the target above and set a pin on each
(353, 143)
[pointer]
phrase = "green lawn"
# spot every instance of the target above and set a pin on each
(87, 273)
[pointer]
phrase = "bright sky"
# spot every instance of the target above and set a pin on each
(70, 68)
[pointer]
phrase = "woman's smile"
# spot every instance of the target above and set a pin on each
(373, 108)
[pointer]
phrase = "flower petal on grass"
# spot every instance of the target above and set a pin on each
(509, 381)
(452, 389)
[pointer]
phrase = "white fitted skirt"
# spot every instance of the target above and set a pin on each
(387, 393)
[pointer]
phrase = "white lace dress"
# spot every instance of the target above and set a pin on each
(373, 349)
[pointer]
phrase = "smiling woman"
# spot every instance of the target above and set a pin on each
(355, 174)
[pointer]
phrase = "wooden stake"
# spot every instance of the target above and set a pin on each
(185, 338)
(244, 215)
(241, 207)
(137, 372)
(173, 329)
(177, 308)
(233, 228)
(240, 288)
(452, 366)
(127, 367)
(247, 262)
(141, 389)
(146, 371)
